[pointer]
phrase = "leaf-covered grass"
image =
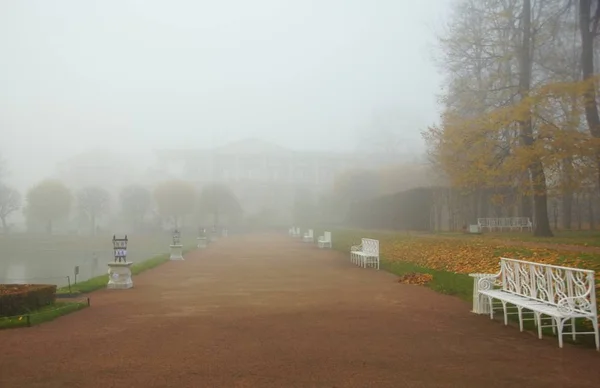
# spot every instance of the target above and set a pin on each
(589, 238)
(44, 314)
(450, 261)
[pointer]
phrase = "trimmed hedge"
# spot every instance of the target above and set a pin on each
(406, 210)
(17, 299)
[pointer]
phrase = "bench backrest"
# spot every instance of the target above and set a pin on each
(370, 246)
(327, 236)
(550, 283)
(504, 222)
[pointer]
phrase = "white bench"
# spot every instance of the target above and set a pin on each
(560, 293)
(366, 253)
(308, 236)
(325, 240)
(510, 223)
(294, 232)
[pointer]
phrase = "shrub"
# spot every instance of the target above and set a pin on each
(17, 299)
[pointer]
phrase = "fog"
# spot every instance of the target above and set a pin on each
(134, 76)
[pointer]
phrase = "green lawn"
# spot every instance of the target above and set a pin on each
(44, 314)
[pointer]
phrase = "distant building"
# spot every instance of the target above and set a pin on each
(261, 174)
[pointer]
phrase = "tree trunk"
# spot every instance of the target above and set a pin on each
(4, 225)
(536, 168)
(567, 210)
(592, 220)
(49, 227)
(588, 26)
(93, 224)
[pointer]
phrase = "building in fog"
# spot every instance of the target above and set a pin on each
(262, 175)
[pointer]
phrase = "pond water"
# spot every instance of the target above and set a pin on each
(53, 259)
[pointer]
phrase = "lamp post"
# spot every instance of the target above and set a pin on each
(176, 247)
(119, 271)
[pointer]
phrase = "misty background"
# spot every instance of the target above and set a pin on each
(129, 77)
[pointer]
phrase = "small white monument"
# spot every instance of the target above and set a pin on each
(202, 239)
(176, 247)
(119, 272)
(224, 232)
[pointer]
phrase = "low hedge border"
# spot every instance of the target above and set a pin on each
(20, 298)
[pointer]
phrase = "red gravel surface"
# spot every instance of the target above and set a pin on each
(265, 311)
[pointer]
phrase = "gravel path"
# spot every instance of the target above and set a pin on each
(270, 312)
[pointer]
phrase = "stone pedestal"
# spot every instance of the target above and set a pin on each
(176, 252)
(202, 242)
(119, 276)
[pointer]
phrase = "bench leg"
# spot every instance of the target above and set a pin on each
(520, 310)
(573, 332)
(538, 320)
(505, 313)
(597, 334)
(560, 323)
(491, 307)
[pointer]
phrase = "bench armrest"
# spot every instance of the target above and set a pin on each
(356, 248)
(488, 281)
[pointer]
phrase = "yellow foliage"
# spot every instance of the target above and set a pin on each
(415, 278)
(488, 151)
(472, 255)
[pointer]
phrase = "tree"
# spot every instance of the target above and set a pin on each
(589, 20)
(93, 201)
(175, 199)
(218, 200)
(48, 201)
(136, 202)
(10, 201)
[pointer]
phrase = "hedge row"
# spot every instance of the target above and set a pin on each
(407, 210)
(17, 299)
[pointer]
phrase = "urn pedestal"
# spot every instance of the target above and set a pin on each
(202, 242)
(176, 252)
(119, 276)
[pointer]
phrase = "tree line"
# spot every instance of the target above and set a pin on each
(171, 201)
(520, 125)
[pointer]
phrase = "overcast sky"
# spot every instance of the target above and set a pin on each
(151, 74)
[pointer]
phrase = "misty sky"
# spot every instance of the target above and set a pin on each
(189, 73)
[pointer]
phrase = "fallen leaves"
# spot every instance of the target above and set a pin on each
(415, 278)
(476, 256)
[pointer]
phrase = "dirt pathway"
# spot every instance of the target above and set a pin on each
(270, 312)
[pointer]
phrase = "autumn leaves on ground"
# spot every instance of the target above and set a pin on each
(420, 258)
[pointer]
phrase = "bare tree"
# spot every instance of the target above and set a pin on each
(10, 201)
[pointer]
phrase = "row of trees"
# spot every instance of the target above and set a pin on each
(51, 200)
(520, 118)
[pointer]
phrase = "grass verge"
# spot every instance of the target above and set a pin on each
(101, 281)
(44, 314)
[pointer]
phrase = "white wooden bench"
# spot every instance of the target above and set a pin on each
(365, 254)
(309, 236)
(561, 294)
(325, 240)
(294, 232)
(510, 223)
